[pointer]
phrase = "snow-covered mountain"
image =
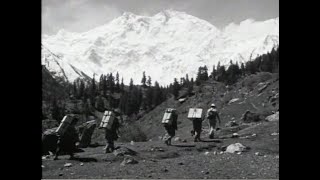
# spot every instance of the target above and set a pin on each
(167, 45)
(59, 67)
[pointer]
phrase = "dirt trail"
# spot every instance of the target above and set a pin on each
(182, 160)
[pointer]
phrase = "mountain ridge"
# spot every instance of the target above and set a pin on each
(166, 45)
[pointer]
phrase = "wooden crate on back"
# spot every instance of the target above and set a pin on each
(167, 117)
(65, 123)
(107, 120)
(195, 113)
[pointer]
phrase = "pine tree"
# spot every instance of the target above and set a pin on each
(117, 82)
(175, 90)
(123, 102)
(131, 102)
(190, 87)
(100, 86)
(156, 97)
(221, 74)
(93, 86)
(100, 104)
(149, 97)
(144, 79)
(276, 61)
(75, 92)
(104, 86)
(205, 74)
(131, 84)
(233, 73)
(149, 83)
(182, 81)
(243, 70)
(187, 78)
(55, 111)
(198, 78)
(214, 72)
(122, 85)
(111, 83)
(81, 89)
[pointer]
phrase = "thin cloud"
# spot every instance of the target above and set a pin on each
(83, 15)
(76, 16)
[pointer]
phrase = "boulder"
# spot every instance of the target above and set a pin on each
(235, 135)
(182, 100)
(237, 147)
(67, 165)
(263, 87)
(233, 100)
(249, 117)
(273, 117)
(128, 160)
(231, 124)
(87, 130)
(274, 134)
(121, 151)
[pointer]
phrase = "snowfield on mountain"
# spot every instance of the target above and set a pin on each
(166, 45)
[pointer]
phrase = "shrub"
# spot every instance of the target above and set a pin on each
(132, 132)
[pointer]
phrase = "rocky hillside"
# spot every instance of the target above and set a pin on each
(255, 93)
(246, 147)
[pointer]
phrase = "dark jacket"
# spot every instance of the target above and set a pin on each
(111, 134)
(68, 140)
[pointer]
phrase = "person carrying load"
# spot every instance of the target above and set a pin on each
(110, 122)
(212, 116)
(169, 122)
(67, 136)
(195, 115)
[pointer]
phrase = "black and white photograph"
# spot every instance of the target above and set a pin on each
(160, 89)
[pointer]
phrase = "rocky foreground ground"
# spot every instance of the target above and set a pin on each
(154, 159)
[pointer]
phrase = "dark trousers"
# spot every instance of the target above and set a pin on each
(65, 146)
(110, 136)
(197, 127)
(171, 132)
(110, 146)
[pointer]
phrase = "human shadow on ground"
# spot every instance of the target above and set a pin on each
(85, 159)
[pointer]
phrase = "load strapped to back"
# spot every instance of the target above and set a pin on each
(195, 113)
(107, 120)
(168, 116)
(65, 123)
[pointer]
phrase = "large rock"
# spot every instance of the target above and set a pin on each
(273, 117)
(49, 141)
(128, 160)
(86, 130)
(233, 100)
(263, 87)
(237, 147)
(231, 124)
(249, 117)
(121, 151)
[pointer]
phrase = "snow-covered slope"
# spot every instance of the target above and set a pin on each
(167, 45)
(59, 68)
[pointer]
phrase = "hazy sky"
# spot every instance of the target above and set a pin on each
(83, 15)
